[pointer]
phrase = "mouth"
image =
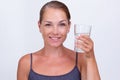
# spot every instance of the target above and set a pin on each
(54, 38)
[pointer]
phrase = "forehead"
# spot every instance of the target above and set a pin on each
(54, 14)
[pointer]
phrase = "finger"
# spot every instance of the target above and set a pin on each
(86, 39)
(85, 46)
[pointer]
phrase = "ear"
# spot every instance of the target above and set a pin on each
(39, 26)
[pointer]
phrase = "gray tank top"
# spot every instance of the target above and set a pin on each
(74, 74)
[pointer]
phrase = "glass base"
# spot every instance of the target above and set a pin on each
(79, 50)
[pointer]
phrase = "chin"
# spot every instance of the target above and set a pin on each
(55, 45)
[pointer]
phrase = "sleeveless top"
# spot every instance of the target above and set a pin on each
(74, 74)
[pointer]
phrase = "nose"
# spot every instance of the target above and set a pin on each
(55, 30)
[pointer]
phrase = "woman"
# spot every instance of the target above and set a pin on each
(54, 61)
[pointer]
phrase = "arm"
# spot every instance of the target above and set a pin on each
(92, 69)
(82, 66)
(89, 65)
(23, 68)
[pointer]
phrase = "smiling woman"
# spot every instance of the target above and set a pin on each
(54, 61)
(54, 27)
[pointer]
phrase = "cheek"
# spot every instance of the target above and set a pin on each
(45, 31)
(64, 32)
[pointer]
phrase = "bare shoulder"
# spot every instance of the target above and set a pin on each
(81, 59)
(24, 60)
(23, 67)
(69, 51)
(82, 65)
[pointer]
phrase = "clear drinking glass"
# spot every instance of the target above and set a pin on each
(78, 30)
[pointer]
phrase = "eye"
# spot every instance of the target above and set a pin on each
(62, 24)
(47, 25)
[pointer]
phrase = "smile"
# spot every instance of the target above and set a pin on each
(55, 38)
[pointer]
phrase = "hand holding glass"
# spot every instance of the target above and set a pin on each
(81, 29)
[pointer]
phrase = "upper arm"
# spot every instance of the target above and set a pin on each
(82, 66)
(23, 68)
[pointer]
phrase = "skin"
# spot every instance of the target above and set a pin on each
(54, 59)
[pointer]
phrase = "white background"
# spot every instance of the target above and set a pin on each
(19, 32)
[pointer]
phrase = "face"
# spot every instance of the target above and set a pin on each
(54, 27)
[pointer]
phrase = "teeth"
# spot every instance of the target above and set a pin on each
(54, 38)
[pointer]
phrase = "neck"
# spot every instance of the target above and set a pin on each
(53, 51)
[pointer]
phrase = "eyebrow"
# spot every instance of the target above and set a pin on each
(63, 20)
(47, 21)
(51, 21)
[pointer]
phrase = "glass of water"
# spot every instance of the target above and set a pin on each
(81, 29)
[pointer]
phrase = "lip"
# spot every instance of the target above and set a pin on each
(55, 39)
